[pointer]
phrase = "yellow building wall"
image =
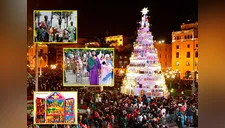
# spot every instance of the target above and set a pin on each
(164, 52)
(183, 49)
(117, 39)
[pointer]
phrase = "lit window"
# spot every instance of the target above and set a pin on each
(187, 63)
(121, 57)
(196, 63)
(177, 63)
(188, 54)
(177, 54)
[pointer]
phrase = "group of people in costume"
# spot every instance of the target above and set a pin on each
(99, 68)
(45, 32)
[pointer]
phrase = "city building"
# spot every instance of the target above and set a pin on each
(164, 51)
(118, 40)
(31, 53)
(185, 50)
(122, 59)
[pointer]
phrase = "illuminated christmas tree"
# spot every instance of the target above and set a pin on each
(143, 75)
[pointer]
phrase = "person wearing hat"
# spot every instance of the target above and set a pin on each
(93, 67)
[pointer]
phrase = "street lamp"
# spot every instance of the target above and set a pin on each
(53, 66)
(121, 72)
(171, 77)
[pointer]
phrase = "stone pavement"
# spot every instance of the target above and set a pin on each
(71, 79)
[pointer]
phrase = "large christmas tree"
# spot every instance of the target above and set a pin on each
(143, 75)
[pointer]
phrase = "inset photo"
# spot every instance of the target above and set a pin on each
(55, 107)
(55, 26)
(88, 67)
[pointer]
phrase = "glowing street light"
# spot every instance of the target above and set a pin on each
(121, 71)
(171, 90)
(53, 66)
(182, 93)
(173, 76)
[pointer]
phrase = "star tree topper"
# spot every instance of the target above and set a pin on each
(144, 11)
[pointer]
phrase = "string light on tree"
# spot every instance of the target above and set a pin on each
(144, 67)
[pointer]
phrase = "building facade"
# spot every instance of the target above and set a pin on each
(31, 53)
(164, 52)
(118, 40)
(185, 50)
(121, 62)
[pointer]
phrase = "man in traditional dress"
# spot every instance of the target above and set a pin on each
(60, 32)
(93, 67)
(45, 25)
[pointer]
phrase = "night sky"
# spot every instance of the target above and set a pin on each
(95, 17)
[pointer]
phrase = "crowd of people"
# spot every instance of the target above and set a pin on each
(110, 108)
(125, 111)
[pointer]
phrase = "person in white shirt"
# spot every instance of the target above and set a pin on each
(81, 101)
(144, 117)
(100, 99)
(60, 32)
(126, 105)
(88, 111)
(140, 117)
(140, 105)
(163, 112)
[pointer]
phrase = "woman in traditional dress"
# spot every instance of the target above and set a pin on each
(71, 30)
(85, 66)
(106, 71)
